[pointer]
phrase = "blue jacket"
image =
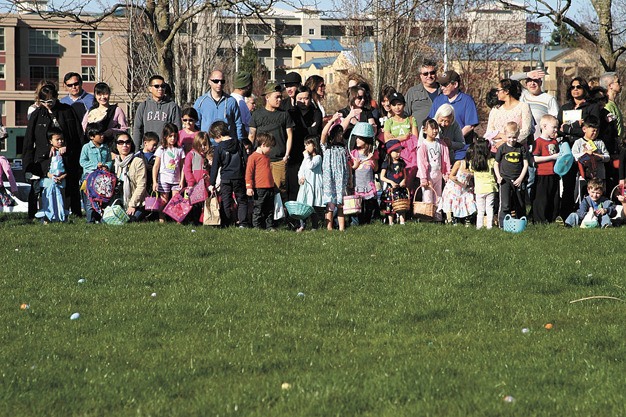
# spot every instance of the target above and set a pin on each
(587, 203)
(225, 109)
(91, 155)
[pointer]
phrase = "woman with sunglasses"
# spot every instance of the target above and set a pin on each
(318, 92)
(511, 110)
(577, 107)
(109, 117)
(36, 147)
(132, 176)
(356, 111)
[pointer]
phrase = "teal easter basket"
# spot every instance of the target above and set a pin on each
(512, 225)
(298, 210)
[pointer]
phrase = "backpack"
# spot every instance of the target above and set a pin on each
(100, 188)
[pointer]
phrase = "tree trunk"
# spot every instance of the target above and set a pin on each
(605, 35)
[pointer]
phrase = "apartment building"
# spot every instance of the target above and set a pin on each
(32, 48)
(280, 31)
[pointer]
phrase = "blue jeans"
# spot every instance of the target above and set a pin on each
(574, 220)
(92, 216)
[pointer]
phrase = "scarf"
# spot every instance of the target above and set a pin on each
(121, 170)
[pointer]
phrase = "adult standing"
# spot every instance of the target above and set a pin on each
(51, 113)
(450, 131)
(110, 117)
(308, 121)
(76, 97)
(292, 82)
(158, 110)
(570, 119)
(511, 110)
(611, 82)
(216, 105)
(420, 97)
(356, 111)
(464, 107)
(318, 92)
(271, 119)
(540, 102)
(242, 88)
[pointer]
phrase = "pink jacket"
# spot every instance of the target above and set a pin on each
(423, 168)
(5, 167)
(193, 168)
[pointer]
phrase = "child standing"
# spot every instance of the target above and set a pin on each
(94, 155)
(511, 167)
(485, 185)
(403, 128)
(196, 168)
(187, 134)
(365, 165)
(260, 182)
(457, 198)
(590, 151)
(433, 162)
(545, 189)
(393, 173)
(230, 160)
(53, 196)
(310, 179)
(603, 208)
(334, 171)
(168, 164)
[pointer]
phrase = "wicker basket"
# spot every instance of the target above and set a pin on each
(298, 210)
(424, 211)
(351, 205)
(400, 204)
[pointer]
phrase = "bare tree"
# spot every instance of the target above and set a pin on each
(606, 32)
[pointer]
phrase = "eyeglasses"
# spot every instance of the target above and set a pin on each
(576, 87)
(158, 86)
(359, 98)
(444, 84)
(124, 142)
(73, 85)
(218, 81)
(322, 86)
(188, 120)
(500, 89)
(46, 101)
(427, 73)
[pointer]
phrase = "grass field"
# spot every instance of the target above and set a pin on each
(421, 320)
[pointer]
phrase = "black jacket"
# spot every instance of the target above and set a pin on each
(231, 157)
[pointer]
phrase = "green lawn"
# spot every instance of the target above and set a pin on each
(421, 320)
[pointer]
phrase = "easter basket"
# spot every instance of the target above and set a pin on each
(422, 210)
(352, 205)
(298, 210)
(399, 204)
(153, 202)
(513, 225)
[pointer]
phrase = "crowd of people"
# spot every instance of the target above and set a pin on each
(566, 162)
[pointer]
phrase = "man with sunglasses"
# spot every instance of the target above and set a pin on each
(419, 98)
(216, 105)
(465, 112)
(154, 113)
(80, 100)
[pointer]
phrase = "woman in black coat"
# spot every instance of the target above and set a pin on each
(578, 99)
(36, 153)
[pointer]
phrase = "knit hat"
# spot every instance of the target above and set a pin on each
(242, 79)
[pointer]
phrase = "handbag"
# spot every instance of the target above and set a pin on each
(212, 211)
(115, 215)
(198, 193)
(178, 207)
(153, 203)
(279, 210)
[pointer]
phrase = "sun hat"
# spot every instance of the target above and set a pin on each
(272, 88)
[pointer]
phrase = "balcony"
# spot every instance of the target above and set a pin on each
(29, 84)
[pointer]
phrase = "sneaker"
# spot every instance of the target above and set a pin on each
(271, 229)
(559, 221)
(606, 226)
(300, 229)
(467, 223)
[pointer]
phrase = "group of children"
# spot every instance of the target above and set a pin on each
(333, 169)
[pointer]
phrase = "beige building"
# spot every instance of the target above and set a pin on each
(32, 49)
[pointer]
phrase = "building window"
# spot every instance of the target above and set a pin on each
(43, 42)
(88, 43)
(1, 71)
(38, 73)
(2, 107)
(311, 31)
(333, 31)
(88, 74)
(1, 39)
